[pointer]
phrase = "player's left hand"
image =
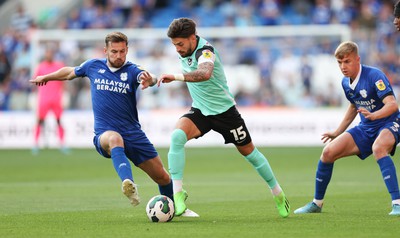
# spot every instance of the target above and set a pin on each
(165, 78)
(328, 136)
(147, 80)
(367, 114)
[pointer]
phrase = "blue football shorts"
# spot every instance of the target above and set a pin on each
(138, 147)
(364, 137)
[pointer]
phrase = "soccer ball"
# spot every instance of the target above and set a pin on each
(160, 208)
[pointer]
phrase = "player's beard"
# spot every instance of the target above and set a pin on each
(117, 63)
(183, 54)
(186, 53)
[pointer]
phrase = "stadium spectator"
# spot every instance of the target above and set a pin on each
(5, 66)
(21, 21)
(20, 74)
(345, 13)
(50, 99)
(73, 20)
(213, 108)
(367, 19)
(125, 6)
(371, 97)
(321, 13)
(5, 72)
(136, 19)
(118, 133)
(306, 72)
(88, 13)
(270, 12)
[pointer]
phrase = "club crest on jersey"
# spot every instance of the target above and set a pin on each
(380, 85)
(190, 61)
(363, 93)
(124, 76)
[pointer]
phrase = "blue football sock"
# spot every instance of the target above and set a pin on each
(260, 163)
(176, 154)
(322, 179)
(121, 163)
(167, 190)
(388, 171)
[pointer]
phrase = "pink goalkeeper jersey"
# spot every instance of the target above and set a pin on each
(50, 96)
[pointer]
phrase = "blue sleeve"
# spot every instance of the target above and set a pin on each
(382, 85)
(138, 70)
(81, 70)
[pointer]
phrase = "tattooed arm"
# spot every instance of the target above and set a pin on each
(202, 73)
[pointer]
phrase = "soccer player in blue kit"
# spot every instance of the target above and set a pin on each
(213, 108)
(118, 133)
(371, 97)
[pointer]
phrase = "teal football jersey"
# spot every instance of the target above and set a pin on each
(211, 97)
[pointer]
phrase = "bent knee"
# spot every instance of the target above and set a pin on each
(178, 137)
(113, 138)
(328, 155)
(379, 151)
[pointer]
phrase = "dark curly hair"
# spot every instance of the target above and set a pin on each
(181, 28)
(396, 11)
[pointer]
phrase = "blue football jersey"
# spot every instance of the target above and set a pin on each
(369, 92)
(113, 95)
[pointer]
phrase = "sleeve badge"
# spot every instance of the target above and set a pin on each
(380, 85)
(207, 54)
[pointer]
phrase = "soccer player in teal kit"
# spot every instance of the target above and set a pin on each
(213, 108)
(371, 97)
(118, 134)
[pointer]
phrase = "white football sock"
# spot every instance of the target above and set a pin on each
(397, 201)
(177, 185)
(318, 202)
(276, 190)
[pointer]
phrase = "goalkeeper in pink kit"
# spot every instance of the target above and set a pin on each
(49, 100)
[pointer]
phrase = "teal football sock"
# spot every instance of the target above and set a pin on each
(176, 154)
(260, 163)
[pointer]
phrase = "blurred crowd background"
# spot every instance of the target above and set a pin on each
(286, 67)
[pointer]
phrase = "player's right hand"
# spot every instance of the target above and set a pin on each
(328, 136)
(39, 81)
(165, 78)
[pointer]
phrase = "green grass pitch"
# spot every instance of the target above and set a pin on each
(79, 195)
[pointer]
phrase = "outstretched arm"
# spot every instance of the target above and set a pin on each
(65, 73)
(202, 73)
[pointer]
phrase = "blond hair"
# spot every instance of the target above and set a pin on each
(346, 48)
